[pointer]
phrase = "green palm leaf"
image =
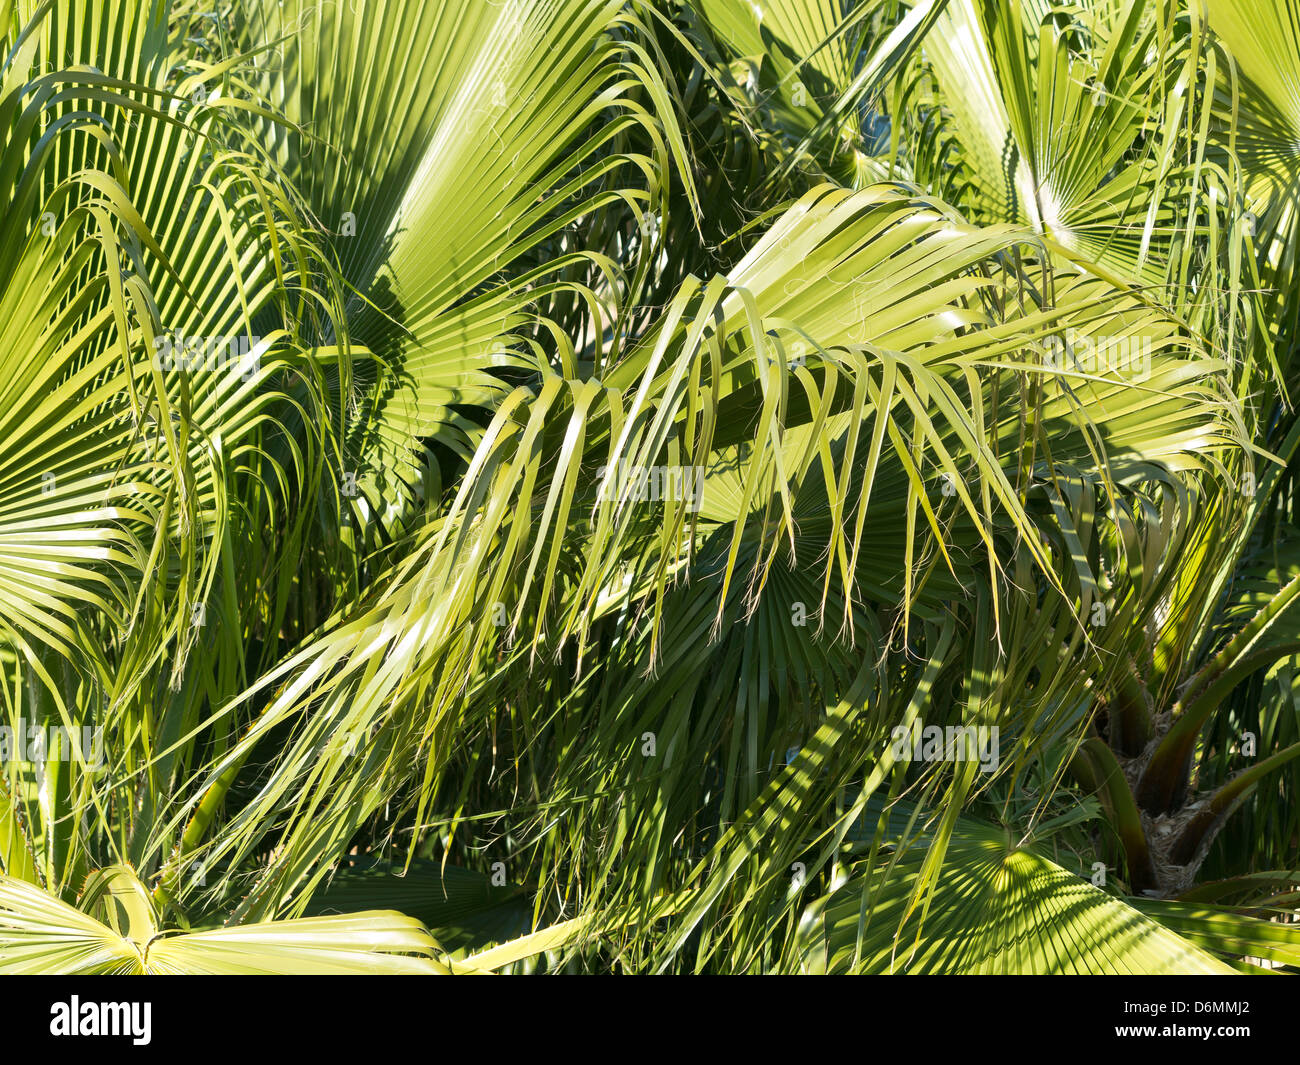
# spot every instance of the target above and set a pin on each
(42, 934)
(996, 908)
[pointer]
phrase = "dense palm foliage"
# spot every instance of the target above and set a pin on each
(643, 412)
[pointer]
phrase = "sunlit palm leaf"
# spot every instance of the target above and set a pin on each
(41, 934)
(996, 909)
